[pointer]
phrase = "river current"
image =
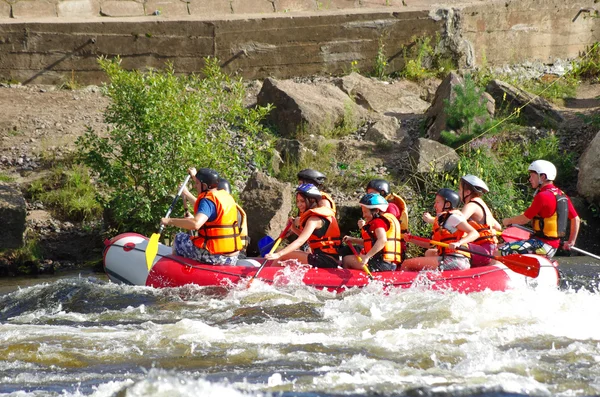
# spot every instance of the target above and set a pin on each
(81, 335)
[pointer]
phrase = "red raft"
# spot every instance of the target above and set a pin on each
(124, 262)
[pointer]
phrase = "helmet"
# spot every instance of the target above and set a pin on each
(208, 176)
(381, 185)
(309, 190)
(224, 185)
(477, 184)
(543, 167)
(312, 176)
(374, 200)
(449, 196)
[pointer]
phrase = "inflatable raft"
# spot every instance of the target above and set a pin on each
(124, 262)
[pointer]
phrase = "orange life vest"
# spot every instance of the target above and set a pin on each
(243, 222)
(327, 197)
(392, 250)
(399, 201)
(330, 241)
(440, 233)
(223, 235)
(486, 235)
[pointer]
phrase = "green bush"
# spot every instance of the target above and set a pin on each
(161, 124)
(468, 109)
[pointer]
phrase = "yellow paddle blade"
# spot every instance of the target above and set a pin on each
(152, 250)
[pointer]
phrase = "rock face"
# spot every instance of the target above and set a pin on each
(267, 203)
(588, 182)
(13, 212)
(431, 156)
(534, 109)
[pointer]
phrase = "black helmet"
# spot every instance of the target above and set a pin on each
(224, 185)
(450, 196)
(309, 190)
(381, 185)
(311, 176)
(208, 176)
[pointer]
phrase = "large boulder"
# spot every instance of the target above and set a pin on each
(267, 203)
(13, 213)
(534, 110)
(588, 182)
(427, 156)
(307, 108)
(398, 98)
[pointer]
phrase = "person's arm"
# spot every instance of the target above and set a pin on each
(427, 218)
(468, 210)
(194, 223)
(310, 226)
(378, 246)
(515, 220)
(471, 236)
(353, 240)
(574, 231)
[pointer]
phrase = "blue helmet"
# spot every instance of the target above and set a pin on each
(374, 200)
(309, 190)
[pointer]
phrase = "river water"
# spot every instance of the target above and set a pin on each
(80, 335)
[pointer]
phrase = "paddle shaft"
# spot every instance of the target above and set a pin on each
(585, 253)
(277, 242)
(365, 267)
(187, 178)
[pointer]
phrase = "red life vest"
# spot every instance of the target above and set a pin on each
(222, 235)
(330, 241)
(392, 249)
(440, 233)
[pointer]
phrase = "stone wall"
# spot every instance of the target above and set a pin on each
(52, 41)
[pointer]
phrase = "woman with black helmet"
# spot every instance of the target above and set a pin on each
(317, 179)
(478, 214)
(318, 227)
(450, 227)
(216, 220)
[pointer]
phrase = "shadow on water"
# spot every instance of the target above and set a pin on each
(579, 272)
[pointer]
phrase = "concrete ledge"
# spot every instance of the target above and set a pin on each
(252, 6)
(4, 10)
(209, 7)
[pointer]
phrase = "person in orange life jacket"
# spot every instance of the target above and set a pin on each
(318, 227)
(548, 212)
(380, 237)
(478, 214)
(450, 227)
(382, 187)
(215, 219)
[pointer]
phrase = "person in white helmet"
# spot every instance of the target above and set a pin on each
(548, 212)
(478, 215)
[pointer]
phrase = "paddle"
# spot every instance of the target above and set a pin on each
(585, 253)
(152, 248)
(513, 233)
(273, 248)
(365, 267)
(525, 265)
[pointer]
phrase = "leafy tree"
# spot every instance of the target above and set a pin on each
(162, 124)
(468, 107)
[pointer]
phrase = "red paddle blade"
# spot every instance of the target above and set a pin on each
(513, 233)
(525, 265)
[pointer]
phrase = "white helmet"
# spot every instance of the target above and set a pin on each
(477, 183)
(543, 167)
